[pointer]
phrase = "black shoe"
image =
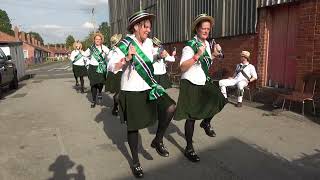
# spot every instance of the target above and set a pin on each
(77, 84)
(239, 104)
(115, 111)
(226, 100)
(191, 155)
(207, 128)
(137, 170)
(93, 105)
(162, 151)
(82, 90)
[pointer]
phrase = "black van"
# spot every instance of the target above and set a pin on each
(8, 72)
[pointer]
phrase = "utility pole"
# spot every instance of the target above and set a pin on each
(93, 20)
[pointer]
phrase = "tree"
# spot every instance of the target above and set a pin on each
(5, 24)
(87, 42)
(36, 35)
(69, 41)
(104, 29)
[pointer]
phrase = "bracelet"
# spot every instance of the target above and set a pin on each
(123, 61)
(195, 58)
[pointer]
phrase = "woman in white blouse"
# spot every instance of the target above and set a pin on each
(78, 64)
(199, 98)
(97, 66)
(141, 96)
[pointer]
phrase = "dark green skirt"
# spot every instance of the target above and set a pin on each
(94, 77)
(138, 112)
(198, 102)
(113, 82)
(163, 80)
(79, 70)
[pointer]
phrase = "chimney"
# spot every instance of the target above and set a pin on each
(28, 38)
(16, 33)
(32, 40)
(23, 37)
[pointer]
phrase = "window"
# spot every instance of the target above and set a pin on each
(25, 54)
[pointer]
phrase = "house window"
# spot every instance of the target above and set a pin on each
(25, 54)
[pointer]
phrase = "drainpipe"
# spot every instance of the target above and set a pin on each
(314, 33)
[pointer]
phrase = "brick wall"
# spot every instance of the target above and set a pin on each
(308, 39)
(231, 46)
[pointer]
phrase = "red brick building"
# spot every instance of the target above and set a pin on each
(282, 36)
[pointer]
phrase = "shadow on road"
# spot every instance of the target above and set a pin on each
(60, 169)
(6, 91)
(234, 159)
(169, 134)
(117, 132)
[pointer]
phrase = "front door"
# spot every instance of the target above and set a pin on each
(282, 47)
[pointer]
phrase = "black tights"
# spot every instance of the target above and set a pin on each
(94, 90)
(164, 121)
(76, 78)
(115, 100)
(81, 81)
(189, 129)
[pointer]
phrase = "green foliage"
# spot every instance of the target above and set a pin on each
(5, 24)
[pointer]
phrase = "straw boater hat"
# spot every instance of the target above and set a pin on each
(77, 43)
(115, 39)
(97, 34)
(200, 18)
(156, 41)
(245, 54)
(138, 17)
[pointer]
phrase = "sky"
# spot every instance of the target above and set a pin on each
(54, 20)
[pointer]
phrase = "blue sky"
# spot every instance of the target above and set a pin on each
(56, 19)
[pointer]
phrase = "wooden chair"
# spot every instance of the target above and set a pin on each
(174, 73)
(306, 94)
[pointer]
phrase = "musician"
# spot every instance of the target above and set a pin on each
(114, 80)
(98, 66)
(244, 74)
(199, 98)
(140, 96)
(159, 64)
(78, 64)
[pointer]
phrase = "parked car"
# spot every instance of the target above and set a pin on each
(8, 72)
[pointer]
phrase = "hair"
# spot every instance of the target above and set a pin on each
(97, 34)
(141, 23)
(200, 24)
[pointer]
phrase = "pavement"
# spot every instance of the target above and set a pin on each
(49, 131)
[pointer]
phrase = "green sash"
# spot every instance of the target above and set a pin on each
(102, 67)
(143, 66)
(77, 58)
(204, 59)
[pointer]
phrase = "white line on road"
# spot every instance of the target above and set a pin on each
(46, 75)
(62, 146)
(57, 69)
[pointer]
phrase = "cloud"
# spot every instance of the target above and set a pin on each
(92, 2)
(88, 25)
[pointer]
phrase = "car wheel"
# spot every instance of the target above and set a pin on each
(14, 82)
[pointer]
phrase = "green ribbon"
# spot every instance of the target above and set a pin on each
(204, 59)
(102, 67)
(77, 57)
(143, 66)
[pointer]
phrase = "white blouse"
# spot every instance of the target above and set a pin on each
(159, 65)
(113, 52)
(81, 61)
(131, 80)
(93, 61)
(195, 73)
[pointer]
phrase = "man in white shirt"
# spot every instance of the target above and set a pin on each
(244, 74)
